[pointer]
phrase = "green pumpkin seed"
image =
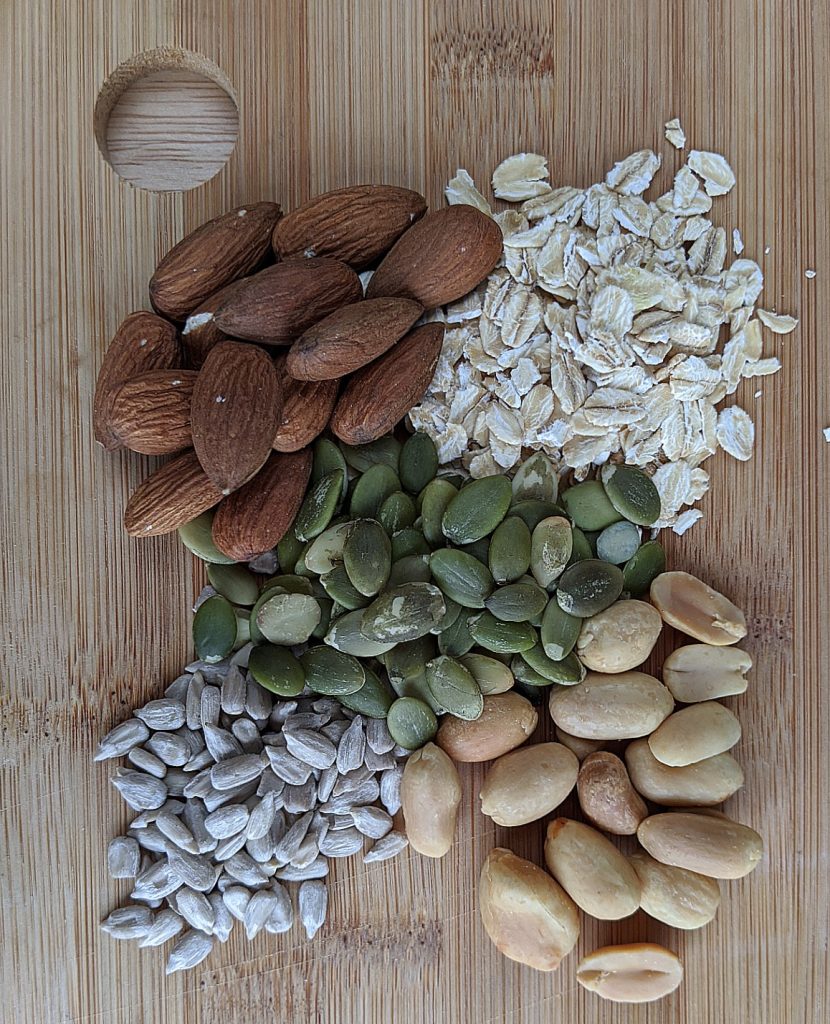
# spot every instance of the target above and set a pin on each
(581, 546)
(276, 669)
(461, 577)
(457, 638)
(243, 629)
(479, 549)
(407, 660)
(397, 513)
(340, 589)
(417, 686)
(559, 631)
(523, 673)
(618, 542)
(403, 613)
(326, 550)
(235, 582)
(492, 676)
(197, 537)
(328, 458)
(643, 568)
(346, 635)
(434, 500)
(319, 506)
(456, 479)
(509, 553)
(477, 509)
(532, 511)
(505, 637)
(214, 629)
(550, 550)
(289, 550)
(267, 593)
(367, 557)
(632, 493)
(455, 688)
(412, 569)
(589, 587)
(290, 584)
(566, 672)
(288, 619)
(371, 491)
(517, 602)
(408, 542)
(332, 672)
(588, 506)
(411, 722)
(536, 478)
(384, 451)
(418, 462)
(326, 609)
(373, 699)
(453, 610)
(301, 569)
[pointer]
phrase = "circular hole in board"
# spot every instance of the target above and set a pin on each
(167, 120)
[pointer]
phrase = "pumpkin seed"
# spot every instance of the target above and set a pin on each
(589, 507)
(418, 462)
(566, 672)
(559, 631)
(276, 669)
(477, 509)
(492, 676)
(532, 511)
(523, 673)
(373, 699)
(326, 550)
(407, 660)
(632, 493)
(243, 628)
(319, 506)
(453, 610)
(403, 613)
(408, 541)
(589, 587)
(640, 571)
(340, 589)
(412, 569)
(345, 635)
(384, 451)
(457, 639)
(536, 478)
(397, 512)
(417, 686)
(332, 672)
(581, 548)
(434, 500)
(214, 629)
(505, 637)
(510, 547)
(456, 479)
(550, 550)
(461, 577)
(288, 619)
(455, 688)
(479, 549)
(289, 550)
(197, 538)
(367, 556)
(411, 723)
(618, 542)
(289, 584)
(371, 490)
(328, 458)
(517, 602)
(326, 609)
(235, 582)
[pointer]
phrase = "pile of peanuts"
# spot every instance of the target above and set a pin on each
(676, 759)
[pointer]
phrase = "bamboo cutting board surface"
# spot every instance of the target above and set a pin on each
(403, 91)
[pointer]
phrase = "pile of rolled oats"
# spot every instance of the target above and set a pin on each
(599, 336)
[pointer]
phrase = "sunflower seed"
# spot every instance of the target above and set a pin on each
(150, 838)
(236, 899)
(120, 740)
(148, 817)
(162, 714)
(218, 798)
(287, 767)
(281, 712)
(258, 701)
(325, 784)
(290, 842)
(222, 919)
(262, 817)
(199, 761)
(310, 747)
(142, 792)
(260, 907)
(318, 868)
(389, 846)
(390, 789)
(307, 852)
(233, 691)
(304, 720)
(334, 730)
(313, 902)
(199, 785)
(170, 748)
(377, 736)
(299, 799)
(194, 817)
(379, 762)
(131, 922)
(177, 832)
(337, 822)
(221, 744)
(245, 869)
(123, 857)
(193, 702)
(248, 735)
(349, 781)
(372, 821)
(341, 843)
(261, 849)
(156, 881)
(282, 916)
(270, 783)
(176, 779)
(227, 848)
(177, 690)
(166, 925)
(196, 909)
(210, 705)
(193, 870)
(147, 762)
(190, 950)
(352, 746)
(227, 821)
(236, 771)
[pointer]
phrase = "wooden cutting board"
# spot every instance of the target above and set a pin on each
(403, 91)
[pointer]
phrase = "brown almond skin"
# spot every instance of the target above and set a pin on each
(151, 412)
(351, 337)
(142, 343)
(380, 395)
(505, 723)
(218, 252)
(237, 402)
(176, 493)
(306, 410)
(442, 257)
(280, 303)
(199, 338)
(356, 224)
(606, 796)
(257, 516)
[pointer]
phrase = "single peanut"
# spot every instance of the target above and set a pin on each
(675, 896)
(430, 795)
(606, 795)
(620, 637)
(695, 733)
(529, 783)
(695, 608)
(581, 747)
(637, 973)
(611, 707)
(713, 846)
(505, 723)
(699, 672)
(694, 785)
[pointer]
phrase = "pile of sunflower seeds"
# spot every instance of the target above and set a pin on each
(239, 796)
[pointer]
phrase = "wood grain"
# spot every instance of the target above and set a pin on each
(403, 91)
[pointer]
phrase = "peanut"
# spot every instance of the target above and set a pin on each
(619, 638)
(712, 846)
(700, 672)
(695, 733)
(505, 723)
(529, 783)
(694, 785)
(581, 747)
(693, 607)
(611, 707)
(606, 795)
(675, 896)
(637, 973)
(430, 795)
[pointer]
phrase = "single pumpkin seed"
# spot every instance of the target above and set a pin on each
(289, 584)
(267, 593)
(332, 672)
(640, 571)
(326, 550)
(323, 626)
(340, 589)
(397, 512)
(477, 509)
(523, 673)
(373, 699)
(536, 478)
(581, 548)
(417, 686)
(455, 688)
(328, 458)
(510, 549)
(434, 500)
(408, 541)
(371, 490)
(407, 660)
(589, 587)
(550, 550)
(411, 569)
(492, 676)
(197, 538)
(345, 635)
(243, 628)
(566, 672)
(403, 613)
(479, 549)
(319, 506)
(457, 639)
(589, 506)
(517, 602)
(453, 610)
(618, 542)
(411, 722)
(418, 462)
(532, 511)
(367, 556)
(235, 582)
(504, 637)
(559, 631)
(276, 669)
(289, 550)
(461, 577)
(214, 629)
(288, 619)
(632, 493)
(384, 451)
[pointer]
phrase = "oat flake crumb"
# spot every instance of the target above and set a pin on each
(675, 134)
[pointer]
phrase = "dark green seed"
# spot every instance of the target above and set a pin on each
(504, 637)
(509, 552)
(517, 602)
(479, 549)
(581, 547)
(372, 490)
(235, 582)
(434, 500)
(410, 569)
(417, 686)
(346, 634)
(559, 631)
(385, 451)
(646, 565)
(588, 506)
(373, 699)
(289, 550)
(411, 722)
(331, 672)
(523, 673)
(618, 542)
(456, 479)
(197, 537)
(461, 577)
(536, 478)
(214, 629)
(326, 609)
(477, 509)
(340, 588)
(319, 506)
(407, 660)
(566, 672)
(403, 613)
(454, 687)
(288, 619)
(532, 511)
(290, 583)
(550, 549)
(457, 639)
(367, 557)
(327, 459)
(418, 462)
(450, 615)
(632, 493)
(397, 512)
(277, 670)
(589, 587)
(409, 542)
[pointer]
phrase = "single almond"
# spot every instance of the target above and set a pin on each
(306, 410)
(442, 257)
(380, 395)
(212, 256)
(143, 342)
(200, 333)
(280, 303)
(357, 224)
(176, 493)
(257, 516)
(237, 403)
(151, 412)
(351, 337)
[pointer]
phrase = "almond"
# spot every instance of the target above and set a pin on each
(176, 493)
(143, 342)
(237, 402)
(381, 394)
(210, 257)
(351, 337)
(356, 225)
(306, 410)
(200, 332)
(151, 412)
(257, 516)
(440, 258)
(279, 303)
